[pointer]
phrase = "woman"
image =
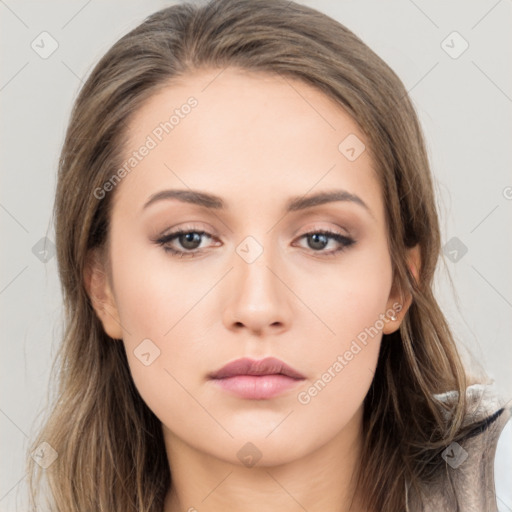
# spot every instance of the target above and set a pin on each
(247, 237)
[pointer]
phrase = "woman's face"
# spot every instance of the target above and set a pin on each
(255, 277)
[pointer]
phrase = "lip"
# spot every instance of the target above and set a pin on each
(256, 379)
(246, 366)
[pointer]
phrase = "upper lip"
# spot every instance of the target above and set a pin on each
(246, 366)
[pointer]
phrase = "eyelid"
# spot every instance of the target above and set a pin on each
(208, 230)
(320, 226)
(190, 226)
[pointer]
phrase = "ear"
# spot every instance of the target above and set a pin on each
(100, 293)
(398, 303)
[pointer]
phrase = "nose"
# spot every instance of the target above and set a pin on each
(258, 296)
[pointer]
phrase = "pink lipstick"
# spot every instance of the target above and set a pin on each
(256, 380)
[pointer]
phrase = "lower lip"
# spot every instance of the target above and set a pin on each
(257, 387)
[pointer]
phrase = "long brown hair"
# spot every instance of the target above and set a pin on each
(111, 455)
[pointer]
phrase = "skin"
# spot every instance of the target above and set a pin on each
(255, 140)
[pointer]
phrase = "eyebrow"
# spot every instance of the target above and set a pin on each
(293, 204)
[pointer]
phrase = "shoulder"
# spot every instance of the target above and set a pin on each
(466, 481)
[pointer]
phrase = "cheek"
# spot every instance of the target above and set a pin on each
(158, 309)
(153, 294)
(350, 304)
(164, 342)
(348, 296)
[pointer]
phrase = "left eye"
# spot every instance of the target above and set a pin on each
(191, 240)
(320, 239)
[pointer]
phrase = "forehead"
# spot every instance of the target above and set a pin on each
(231, 131)
(231, 97)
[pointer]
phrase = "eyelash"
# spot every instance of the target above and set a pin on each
(345, 242)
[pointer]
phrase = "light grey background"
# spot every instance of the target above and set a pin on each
(465, 107)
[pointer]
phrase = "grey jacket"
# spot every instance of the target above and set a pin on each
(466, 483)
